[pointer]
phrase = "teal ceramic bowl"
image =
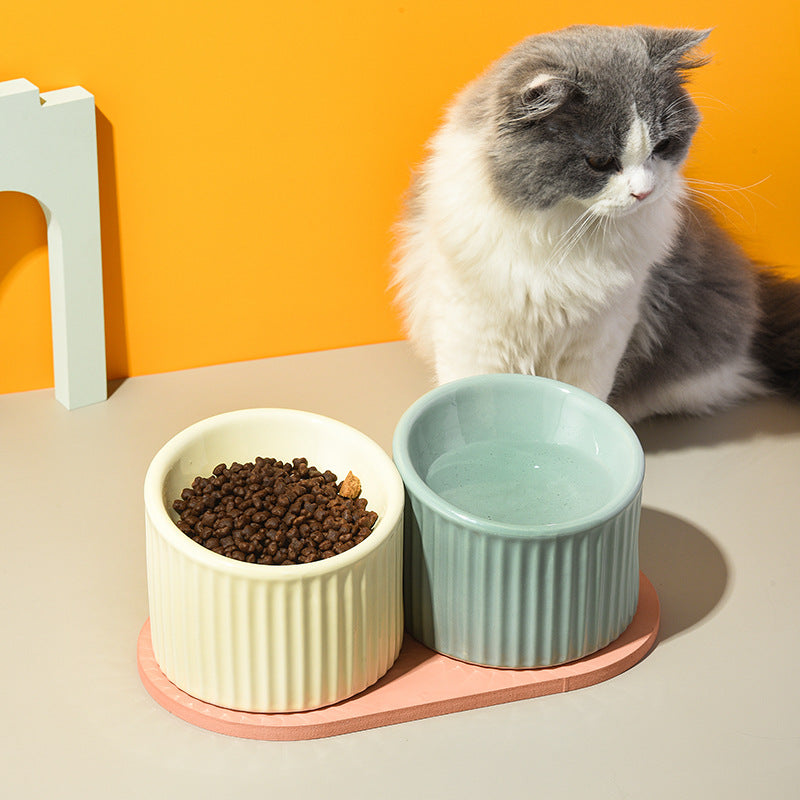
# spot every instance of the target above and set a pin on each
(523, 497)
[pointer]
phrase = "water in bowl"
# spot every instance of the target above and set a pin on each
(528, 483)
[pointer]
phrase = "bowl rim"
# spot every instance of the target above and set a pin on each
(416, 485)
(156, 510)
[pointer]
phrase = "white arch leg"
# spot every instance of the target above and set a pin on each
(48, 149)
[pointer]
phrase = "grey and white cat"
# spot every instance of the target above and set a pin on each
(550, 232)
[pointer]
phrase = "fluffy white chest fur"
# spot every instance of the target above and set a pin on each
(551, 292)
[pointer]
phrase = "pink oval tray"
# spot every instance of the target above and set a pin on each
(421, 684)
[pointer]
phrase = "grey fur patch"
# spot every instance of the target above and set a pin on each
(699, 310)
(539, 138)
(777, 341)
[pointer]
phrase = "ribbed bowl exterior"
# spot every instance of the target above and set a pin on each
(255, 644)
(265, 638)
(518, 602)
(545, 587)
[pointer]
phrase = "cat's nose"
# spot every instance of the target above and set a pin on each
(642, 194)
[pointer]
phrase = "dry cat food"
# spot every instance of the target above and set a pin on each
(271, 512)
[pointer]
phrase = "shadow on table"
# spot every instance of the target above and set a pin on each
(114, 384)
(687, 569)
(768, 416)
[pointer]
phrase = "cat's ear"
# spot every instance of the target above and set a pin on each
(542, 96)
(673, 48)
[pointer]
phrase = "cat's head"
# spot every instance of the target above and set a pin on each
(595, 114)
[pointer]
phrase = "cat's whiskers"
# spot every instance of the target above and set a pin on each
(704, 190)
(688, 207)
(567, 242)
(701, 196)
(607, 223)
(710, 97)
(676, 104)
(733, 188)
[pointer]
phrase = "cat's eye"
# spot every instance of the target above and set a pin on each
(603, 163)
(663, 146)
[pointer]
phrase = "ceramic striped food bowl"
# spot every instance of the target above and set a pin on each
(265, 638)
(522, 519)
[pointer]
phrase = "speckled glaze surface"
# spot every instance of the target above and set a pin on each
(263, 638)
(541, 567)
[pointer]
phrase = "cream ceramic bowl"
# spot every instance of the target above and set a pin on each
(264, 638)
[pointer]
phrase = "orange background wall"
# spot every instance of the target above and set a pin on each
(253, 156)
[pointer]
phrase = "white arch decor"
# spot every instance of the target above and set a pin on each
(48, 149)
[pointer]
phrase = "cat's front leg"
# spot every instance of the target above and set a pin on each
(467, 353)
(451, 366)
(599, 378)
(592, 360)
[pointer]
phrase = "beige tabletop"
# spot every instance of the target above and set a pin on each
(712, 712)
